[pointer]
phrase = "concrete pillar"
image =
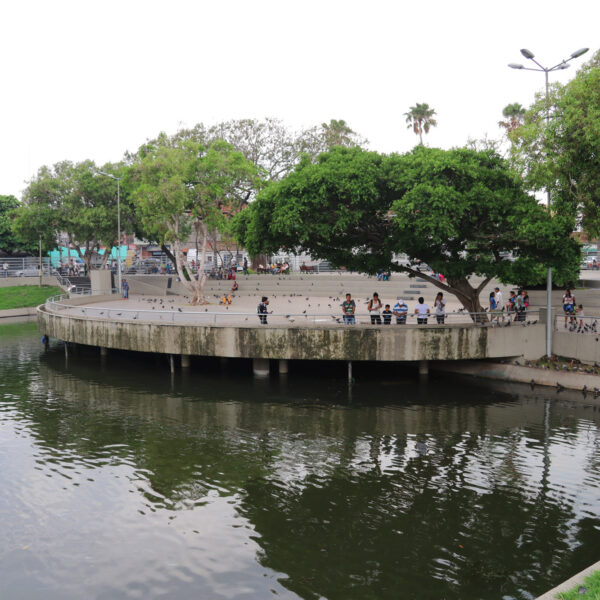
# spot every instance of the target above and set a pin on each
(283, 367)
(260, 367)
(172, 363)
(424, 368)
(185, 361)
(66, 349)
(349, 371)
(103, 352)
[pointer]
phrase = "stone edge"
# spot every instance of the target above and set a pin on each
(519, 374)
(565, 586)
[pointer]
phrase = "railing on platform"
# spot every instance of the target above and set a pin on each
(164, 310)
(574, 323)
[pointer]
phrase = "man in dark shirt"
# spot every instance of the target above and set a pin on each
(349, 308)
(263, 310)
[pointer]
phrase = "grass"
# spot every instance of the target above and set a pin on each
(592, 589)
(20, 296)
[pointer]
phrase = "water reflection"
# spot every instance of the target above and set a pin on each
(219, 486)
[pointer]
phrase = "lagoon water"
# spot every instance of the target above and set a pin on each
(119, 481)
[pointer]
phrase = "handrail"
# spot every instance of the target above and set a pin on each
(573, 323)
(179, 314)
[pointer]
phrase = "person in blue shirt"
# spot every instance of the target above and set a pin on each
(400, 310)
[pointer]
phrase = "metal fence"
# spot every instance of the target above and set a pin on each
(166, 310)
(577, 324)
(27, 266)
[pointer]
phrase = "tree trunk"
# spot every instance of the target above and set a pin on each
(170, 256)
(193, 285)
(466, 294)
(469, 297)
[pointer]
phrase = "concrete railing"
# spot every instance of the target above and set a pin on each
(68, 320)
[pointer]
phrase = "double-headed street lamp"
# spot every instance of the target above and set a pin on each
(563, 64)
(118, 180)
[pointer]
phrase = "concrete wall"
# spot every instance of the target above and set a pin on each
(101, 281)
(521, 374)
(11, 281)
(408, 343)
(18, 315)
(583, 347)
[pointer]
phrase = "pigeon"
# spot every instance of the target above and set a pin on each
(179, 310)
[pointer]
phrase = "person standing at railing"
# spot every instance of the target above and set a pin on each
(263, 310)
(374, 308)
(569, 304)
(494, 309)
(440, 308)
(349, 308)
(499, 299)
(125, 286)
(5, 269)
(422, 311)
(400, 310)
(520, 308)
(510, 303)
(387, 315)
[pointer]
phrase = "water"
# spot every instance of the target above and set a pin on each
(119, 482)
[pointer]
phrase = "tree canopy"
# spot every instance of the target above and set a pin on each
(72, 198)
(11, 241)
(188, 190)
(462, 212)
(562, 156)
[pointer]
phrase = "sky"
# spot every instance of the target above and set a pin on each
(84, 79)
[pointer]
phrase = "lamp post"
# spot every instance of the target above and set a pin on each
(558, 67)
(118, 180)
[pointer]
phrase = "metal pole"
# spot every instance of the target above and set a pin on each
(119, 234)
(549, 277)
(40, 260)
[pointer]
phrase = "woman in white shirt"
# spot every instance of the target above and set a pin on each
(374, 308)
(422, 311)
(440, 308)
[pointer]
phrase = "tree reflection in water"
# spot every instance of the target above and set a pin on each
(452, 490)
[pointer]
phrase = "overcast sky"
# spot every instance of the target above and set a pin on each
(84, 79)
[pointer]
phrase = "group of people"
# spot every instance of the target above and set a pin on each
(381, 314)
(274, 268)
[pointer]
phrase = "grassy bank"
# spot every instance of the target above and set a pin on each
(20, 296)
(590, 590)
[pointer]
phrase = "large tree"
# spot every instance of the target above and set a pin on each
(186, 191)
(72, 199)
(11, 241)
(420, 118)
(562, 156)
(462, 212)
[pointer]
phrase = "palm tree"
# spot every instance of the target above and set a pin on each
(420, 118)
(338, 133)
(514, 115)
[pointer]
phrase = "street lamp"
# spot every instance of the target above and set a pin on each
(563, 64)
(118, 180)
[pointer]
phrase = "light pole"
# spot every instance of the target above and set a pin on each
(118, 180)
(563, 64)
